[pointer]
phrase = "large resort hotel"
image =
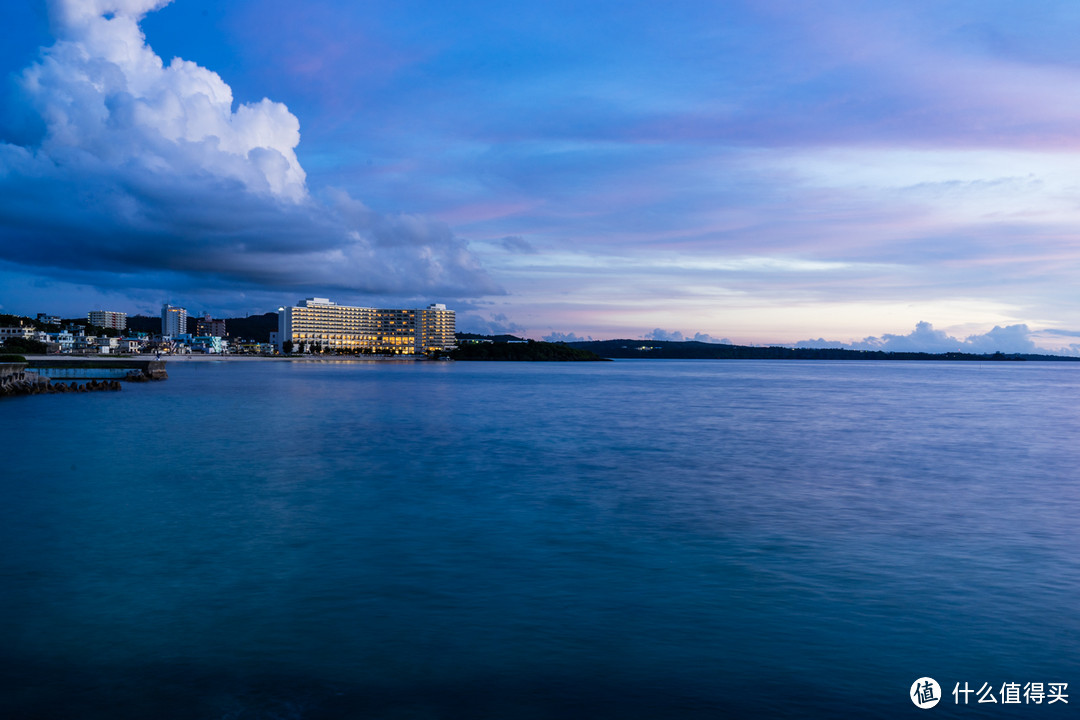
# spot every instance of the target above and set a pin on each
(317, 323)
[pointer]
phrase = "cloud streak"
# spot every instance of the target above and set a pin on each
(135, 165)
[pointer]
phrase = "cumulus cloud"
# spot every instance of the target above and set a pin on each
(676, 336)
(924, 338)
(706, 338)
(139, 166)
(497, 324)
(661, 334)
(557, 337)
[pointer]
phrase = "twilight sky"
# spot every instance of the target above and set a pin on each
(896, 175)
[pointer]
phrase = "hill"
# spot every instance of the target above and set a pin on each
(523, 351)
(691, 350)
(253, 327)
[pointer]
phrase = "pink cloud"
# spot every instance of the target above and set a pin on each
(479, 212)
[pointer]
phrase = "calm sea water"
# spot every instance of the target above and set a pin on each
(664, 539)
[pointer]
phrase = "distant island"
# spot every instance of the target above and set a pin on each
(691, 350)
(522, 350)
(510, 347)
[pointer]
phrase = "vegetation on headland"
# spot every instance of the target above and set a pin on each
(7, 320)
(524, 351)
(510, 347)
(464, 337)
(24, 346)
(255, 327)
(690, 350)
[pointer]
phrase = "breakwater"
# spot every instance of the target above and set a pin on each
(94, 369)
(41, 377)
(14, 380)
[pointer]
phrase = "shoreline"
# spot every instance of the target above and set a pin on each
(232, 358)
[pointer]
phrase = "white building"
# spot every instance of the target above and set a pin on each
(173, 320)
(107, 319)
(22, 332)
(318, 323)
(84, 344)
(63, 339)
(209, 344)
(436, 328)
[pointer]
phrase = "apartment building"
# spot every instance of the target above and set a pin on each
(173, 320)
(210, 327)
(107, 319)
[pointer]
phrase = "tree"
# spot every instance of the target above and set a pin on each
(101, 330)
(24, 346)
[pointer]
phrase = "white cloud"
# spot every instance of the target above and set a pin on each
(661, 334)
(924, 338)
(496, 324)
(676, 336)
(559, 337)
(103, 91)
(143, 166)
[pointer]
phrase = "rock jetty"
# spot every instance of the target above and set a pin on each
(14, 380)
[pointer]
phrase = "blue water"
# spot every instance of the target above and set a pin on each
(639, 539)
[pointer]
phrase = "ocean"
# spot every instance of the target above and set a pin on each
(634, 539)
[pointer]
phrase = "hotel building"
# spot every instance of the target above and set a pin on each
(332, 327)
(436, 328)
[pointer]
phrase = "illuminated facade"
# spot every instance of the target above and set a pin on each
(317, 323)
(436, 328)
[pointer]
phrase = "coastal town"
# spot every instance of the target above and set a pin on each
(313, 326)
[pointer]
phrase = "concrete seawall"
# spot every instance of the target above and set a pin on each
(35, 377)
(14, 380)
(87, 369)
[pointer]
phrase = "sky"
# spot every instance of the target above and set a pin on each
(840, 173)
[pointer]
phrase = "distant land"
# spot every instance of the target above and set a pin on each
(530, 350)
(511, 347)
(691, 350)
